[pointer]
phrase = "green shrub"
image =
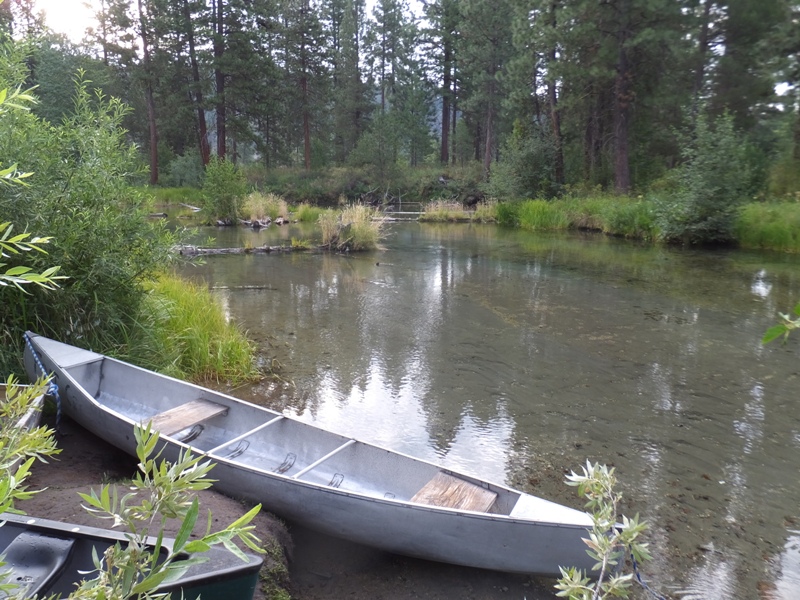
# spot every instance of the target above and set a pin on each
(526, 167)
(508, 213)
(81, 197)
(224, 189)
(630, 218)
(588, 212)
(711, 185)
(184, 171)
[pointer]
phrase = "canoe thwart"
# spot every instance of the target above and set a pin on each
(451, 492)
(186, 415)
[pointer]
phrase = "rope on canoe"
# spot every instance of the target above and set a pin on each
(52, 388)
(641, 581)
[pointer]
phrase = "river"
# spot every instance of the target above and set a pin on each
(519, 356)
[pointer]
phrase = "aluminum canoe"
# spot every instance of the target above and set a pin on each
(328, 482)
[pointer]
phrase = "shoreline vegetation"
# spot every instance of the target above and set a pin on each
(758, 225)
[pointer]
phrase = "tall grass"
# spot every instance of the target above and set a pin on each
(541, 215)
(442, 211)
(485, 212)
(258, 206)
(356, 227)
(361, 228)
(328, 222)
(182, 331)
(615, 215)
(306, 213)
(773, 226)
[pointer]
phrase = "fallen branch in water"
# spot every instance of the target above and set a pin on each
(197, 251)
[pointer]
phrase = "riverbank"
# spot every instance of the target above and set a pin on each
(302, 564)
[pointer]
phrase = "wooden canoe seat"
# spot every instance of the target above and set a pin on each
(451, 492)
(186, 415)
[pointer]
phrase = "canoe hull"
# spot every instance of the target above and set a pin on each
(500, 542)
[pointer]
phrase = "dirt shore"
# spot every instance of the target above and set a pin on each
(319, 567)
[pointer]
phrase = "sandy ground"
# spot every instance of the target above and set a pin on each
(319, 567)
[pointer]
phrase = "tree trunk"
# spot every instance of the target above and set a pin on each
(702, 54)
(151, 105)
(623, 99)
(304, 87)
(306, 123)
(454, 117)
(489, 139)
(219, 77)
(444, 157)
(202, 130)
(796, 132)
(555, 113)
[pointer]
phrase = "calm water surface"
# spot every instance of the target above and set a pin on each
(517, 357)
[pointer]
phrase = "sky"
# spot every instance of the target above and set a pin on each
(68, 16)
(72, 17)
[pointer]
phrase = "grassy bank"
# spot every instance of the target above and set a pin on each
(182, 332)
(614, 215)
(758, 225)
(772, 226)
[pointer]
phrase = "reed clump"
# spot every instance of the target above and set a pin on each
(259, 206)
(355, 228)
(306, 213)
(183, 332)
(542, 215)
(444, 211)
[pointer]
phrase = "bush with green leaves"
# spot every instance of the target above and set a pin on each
(526, 166)
(82, 199)
(21, 443)
(609, 542)
(378, 148)
(224, 189)
(711, 185)
(159, 491)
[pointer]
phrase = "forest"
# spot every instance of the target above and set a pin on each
(466, 99)
(532, 97)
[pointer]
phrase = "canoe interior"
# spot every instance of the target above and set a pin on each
(264, 440)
